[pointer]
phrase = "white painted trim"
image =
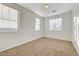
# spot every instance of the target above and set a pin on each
(75, 46)
(35, 38)
(57, 38)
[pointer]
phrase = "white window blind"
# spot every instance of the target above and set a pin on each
(76, 29)
(37, 24)
(55, 24)
(8, 18)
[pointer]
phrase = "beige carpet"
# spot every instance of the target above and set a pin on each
(42, 47)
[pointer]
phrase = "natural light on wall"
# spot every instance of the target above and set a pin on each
(76, 29)
(8, 18)
(55, 24)
(37, 24)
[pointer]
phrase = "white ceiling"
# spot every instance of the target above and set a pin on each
(39, 9)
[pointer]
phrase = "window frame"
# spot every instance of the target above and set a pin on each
(18, 22)
(55, 25)
(39, 24)
(75, 29)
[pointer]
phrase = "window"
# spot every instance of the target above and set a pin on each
(37, 24)
(55, 24)
(76, 29)
(8, 18)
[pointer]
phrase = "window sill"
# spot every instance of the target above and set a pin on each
(9, 30)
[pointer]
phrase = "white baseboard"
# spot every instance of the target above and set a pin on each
(20, 43)
(57, 38)
(73, 42)
(75, 46)
(35, 38)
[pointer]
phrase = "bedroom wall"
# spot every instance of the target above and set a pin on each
(66, 33)
(26, 33)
